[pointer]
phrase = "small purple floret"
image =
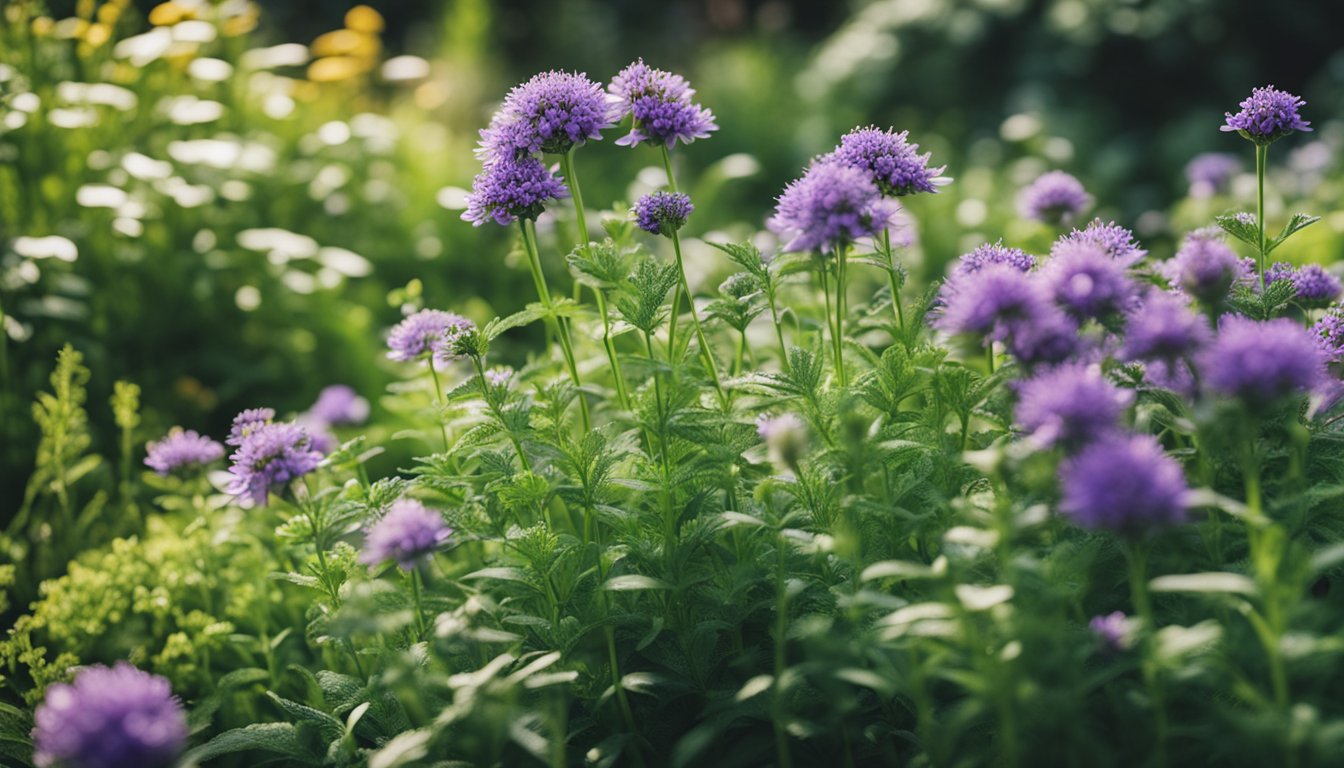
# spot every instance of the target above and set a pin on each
(109, 717)
(407, 534)
(182, 452)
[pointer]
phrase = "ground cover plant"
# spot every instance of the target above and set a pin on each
(770, 502)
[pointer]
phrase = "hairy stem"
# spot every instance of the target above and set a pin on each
(558, 328)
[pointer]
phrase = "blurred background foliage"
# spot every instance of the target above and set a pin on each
(227, 202)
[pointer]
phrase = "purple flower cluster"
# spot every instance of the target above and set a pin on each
(1123, 483)
(553, 112)
(1208, 173)
(1112, 238)
(1112, 631)
(270, 455)
(994, 253)
(109, 717)
(508, 189)
(182, 452)
(663, 213)
(1087, 282)
(423, 335)
(831, 204)
(992, 301)
(1329, 334)
(1267, 115)
(1261, 362)
(339, 405)
(890, 160)
(659, 104)
(1204, 268)
(245, 422)
(785, 435)
(1315, 286)
(1054, 198)
(1070, 406)
(408, 533)
(1163, 329)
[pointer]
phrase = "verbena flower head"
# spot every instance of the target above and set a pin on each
(339, 405)
(1315, 287)
(1054, 198)
(1163, 328)
(994, 253)
(1209, 172)
(785, 435)
(109, 717)
(1048, 337)
(1205, 267)
(182, 452)
(421, 335)
(1087, 282)
(552, 112)
(461, 339)
(1112, 631)
(1123, 483)
(407, 534)
(663, 213)
(1329, 334)
(890, 160)
(1267, 116)
(1262, 362)
(1274, 273)
(269, 456)
(660, 104)
(247, 421)
(1111, 237)
(508, 189)
(829, 205)
(990, 302)
(1070, 406)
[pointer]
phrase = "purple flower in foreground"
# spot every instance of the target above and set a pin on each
(339, 405)
(990, 302)
(663, 213)
(1113, 238)
(109, 717)
(829, 205)
(509, 189)
(1047, 338)
(1204, 268)
(1329, 334)
(1087, 282)
(994, 253)
(1112, 631)
(1070, 406)
(423, 334)
(1163, 329)
(182, 452)
(660, 104)
(552, 112)
(246, 421)
(1276, 272)
(408, 533)
(269, 457)
(1315, 287)
(1123, 483)
(1267, 115)
(1054, 198)
(890, 160)
(1262, 362)
(1208, 173)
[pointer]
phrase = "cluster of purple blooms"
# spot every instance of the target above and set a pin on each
(844, 195)
(109, 717)
(182, 452)
(1054, 198)
(1312, 285)
(659, 107)
(662, 213)
(426, 335)
(269, 454)
(1267, 115)
(406, 534)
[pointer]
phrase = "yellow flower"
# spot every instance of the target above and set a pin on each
(97, 35)
(362, 18)
(168, 14)
(343, 42)
(335, 68)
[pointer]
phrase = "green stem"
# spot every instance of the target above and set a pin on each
(989, 357)
(438, 399)
(419, 610)
(621, 699)
(705, 351)
(667, 166)
(1261, 158)
(558, 328)
(779, 330)
(830, 327)
(572, 181)
(1138, 586)
(781, 652)
(891, 279)
(499, 415)
(841, 259)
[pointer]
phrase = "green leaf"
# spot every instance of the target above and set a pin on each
(532, 313)
(899, 569)
(1216, 582)
(403, 749)
(746, 256)
(275, 738)
(631, 582)
(1241, 226)
(500, 573)
(1299, 221)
